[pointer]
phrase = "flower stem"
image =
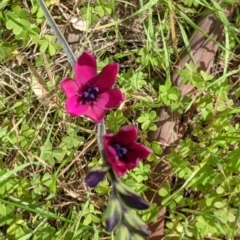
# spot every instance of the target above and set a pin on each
(57, 32)
(101, 130)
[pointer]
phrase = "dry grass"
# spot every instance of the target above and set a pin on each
(23, 83)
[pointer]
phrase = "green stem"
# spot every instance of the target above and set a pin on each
(57, 32)
(101, 132)
(72, 59)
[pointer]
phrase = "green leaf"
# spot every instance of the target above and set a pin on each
(16, 9)
(141, 119)
(10, 24)
(24, 13)
(26, 237)
(3, 211)
(220, 190)
(47, 179)
(168, 85)
(145, 124)
(17, 30)
(72, 142)
(152, 115)
(163, 89)
(115, 119)
(173, 97)
(231, 217)
(87, 219)
(100, 11)
(59, 154)
(218, 204)
(3, 4)
(163, 192)
(14, 171)
(43, 47)
(151, 214)
(26, 24)
(51, 50)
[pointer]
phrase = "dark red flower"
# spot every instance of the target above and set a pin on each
(122, 151)
(91, 94)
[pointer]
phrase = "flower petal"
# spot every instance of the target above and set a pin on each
(69, 87)
(107, 77)
(126, 135)
(138, 151)
(74, 108)
(115, 98)
(110, 99)
(85, 68)
(132, 161)
(95, 114)
(118, 166)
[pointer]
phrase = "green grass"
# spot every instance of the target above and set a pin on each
(45, 154)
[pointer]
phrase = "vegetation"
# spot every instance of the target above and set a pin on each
(46, 154)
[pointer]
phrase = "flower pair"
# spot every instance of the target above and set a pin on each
(91, 94)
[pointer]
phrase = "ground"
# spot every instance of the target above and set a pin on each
(46, 154)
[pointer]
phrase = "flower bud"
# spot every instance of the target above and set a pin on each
(112, 214)
(96, 175)
(136, 223)
(130, 198)
(122, 233)
(135, 236)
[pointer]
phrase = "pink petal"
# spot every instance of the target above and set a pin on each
(95, 114)
(118, 166)
(74, 108)
(108, 138)
(110, 99)
(126, 135)
(85, 68)
(133, 163)
(133, 160)
(138, 151)
(69, 87)
(115, 98)
(107, 77)
(121, 172)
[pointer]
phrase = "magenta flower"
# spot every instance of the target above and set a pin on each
(122, 151)
(91, 94)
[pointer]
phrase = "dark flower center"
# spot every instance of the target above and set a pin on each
(121, 151)
(89, 95)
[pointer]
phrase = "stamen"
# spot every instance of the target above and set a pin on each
(89, 95)
(96, 89)
(121, 151)
(86, 94)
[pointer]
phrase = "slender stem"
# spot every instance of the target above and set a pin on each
(112, 175)
(101, 130)
(57, 32)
